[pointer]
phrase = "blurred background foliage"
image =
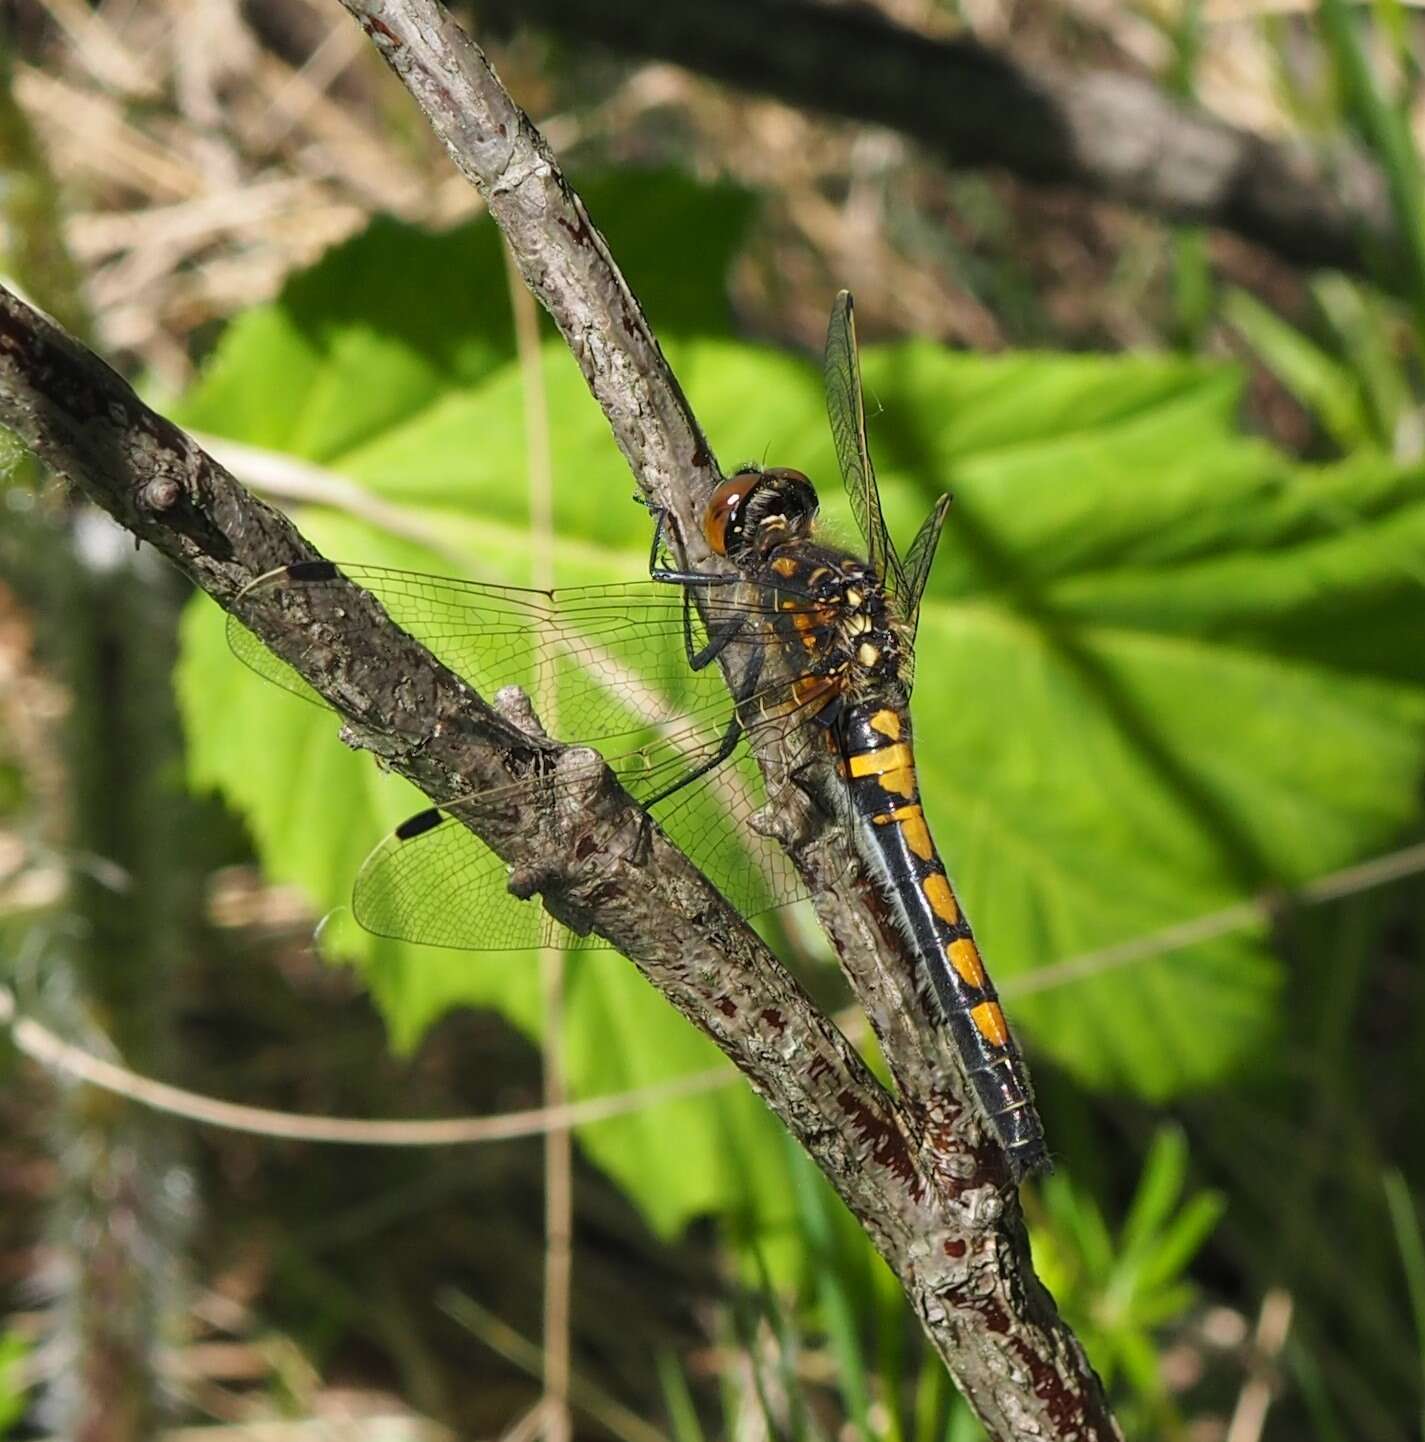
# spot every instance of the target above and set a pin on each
(1171, 699)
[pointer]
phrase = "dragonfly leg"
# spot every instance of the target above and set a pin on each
(718, 639)
(723, 633)
(659, 572)
(746, 685)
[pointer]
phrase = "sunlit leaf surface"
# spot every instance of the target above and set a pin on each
(1161, 666)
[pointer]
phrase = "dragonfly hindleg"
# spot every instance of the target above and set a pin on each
(744, 687)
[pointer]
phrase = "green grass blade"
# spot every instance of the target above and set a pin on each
(1306, 1370)
(14, 1350)
(677, 1399)
(934, 1397)
(837, 1304)
(1388, 136)
(1176, 1246)
(1366, 329)
(964, 1426)
(1322, 384)
(1406, 1224)
(1159, 1187)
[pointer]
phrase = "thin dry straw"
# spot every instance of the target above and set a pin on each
(43, 1046)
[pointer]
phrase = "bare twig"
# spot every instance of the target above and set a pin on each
(41, 1044)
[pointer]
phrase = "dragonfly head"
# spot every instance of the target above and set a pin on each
(756, 510)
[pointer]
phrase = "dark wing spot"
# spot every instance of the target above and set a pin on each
(420, 823)
(313, 571)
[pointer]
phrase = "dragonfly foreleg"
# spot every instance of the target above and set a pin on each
(659, 572)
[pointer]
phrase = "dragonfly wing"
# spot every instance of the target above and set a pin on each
(432, 881)
(710, 822)
(435, 883)
(596, 661)
(846, 410)
(918, 561)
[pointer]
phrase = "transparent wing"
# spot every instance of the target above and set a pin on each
(918, 561)
(597, 661)
(847, 412)
(434, 882)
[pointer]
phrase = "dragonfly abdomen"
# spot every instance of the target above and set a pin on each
(893, 836)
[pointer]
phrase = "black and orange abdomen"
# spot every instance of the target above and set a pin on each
(895, 840)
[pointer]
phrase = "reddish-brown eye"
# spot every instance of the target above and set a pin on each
(722, 521)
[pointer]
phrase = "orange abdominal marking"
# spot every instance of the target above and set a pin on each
(887, 723)
(911, 820)
(893, 764)
(965, 958)
(941, 898)
(991, 1023)
(785, 566)
(873, 763)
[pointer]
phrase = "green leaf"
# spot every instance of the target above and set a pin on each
(1161, 665)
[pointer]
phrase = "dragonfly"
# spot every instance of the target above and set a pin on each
(680, 679)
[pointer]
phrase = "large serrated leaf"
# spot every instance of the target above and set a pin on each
(1161, 666)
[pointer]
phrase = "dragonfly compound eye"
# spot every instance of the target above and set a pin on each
(726, 515)
(758, 509)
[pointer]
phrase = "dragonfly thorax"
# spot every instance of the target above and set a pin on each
(866, 634)
(837, 609)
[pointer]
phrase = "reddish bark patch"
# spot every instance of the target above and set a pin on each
(942, 1137)
(726, 1005)
(819, 1070)
(370, 23)
(578, 229)
(774, 1019)
(888, 1148)
(955, 1248)
(1063, 1403)
(995, 1318)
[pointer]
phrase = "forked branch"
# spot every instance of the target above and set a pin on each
(931, 1194)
